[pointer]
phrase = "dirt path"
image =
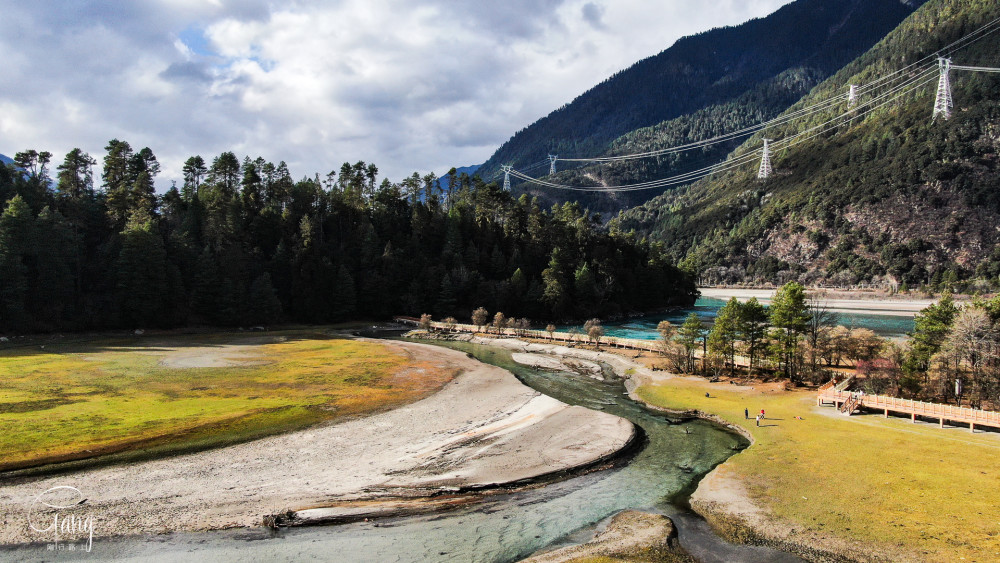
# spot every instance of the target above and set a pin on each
(483, 428)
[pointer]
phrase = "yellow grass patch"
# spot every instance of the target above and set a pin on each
(865, 478)
(80, 400)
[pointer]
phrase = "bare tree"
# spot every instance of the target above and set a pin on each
(670, 348)
(667, 333)
(551, 329)
(970, 353)
(594, 331)
(573, 333)
(449, 323)
(499, 322)
(480, 317)
(426, 322)
(523, 325)
(864, 345)
(821, 320)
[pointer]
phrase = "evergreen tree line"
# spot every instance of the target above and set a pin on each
(243, 243)
(750, 337)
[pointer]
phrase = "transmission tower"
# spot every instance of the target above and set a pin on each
(552, 164)
(943, 102)
(852, 96)
(506, 176)
(765, 162)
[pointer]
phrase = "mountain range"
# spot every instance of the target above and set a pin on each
(719, 80)
(889, 196)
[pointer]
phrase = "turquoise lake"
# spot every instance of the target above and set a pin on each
(644, 328)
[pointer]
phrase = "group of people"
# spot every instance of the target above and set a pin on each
(760, 417)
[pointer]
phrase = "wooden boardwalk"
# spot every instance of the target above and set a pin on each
(827, 394)
(609, 341)
(950, 413)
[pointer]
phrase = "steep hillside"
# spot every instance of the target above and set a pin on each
(4, 159)
(729, 75)
(891, 197)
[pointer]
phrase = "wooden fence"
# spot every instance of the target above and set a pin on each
(951, 413)
(610, 341)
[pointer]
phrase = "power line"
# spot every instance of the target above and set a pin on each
(854, 92)
(912, 77)
(898, 91)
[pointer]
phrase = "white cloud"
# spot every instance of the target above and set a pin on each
(407, 85)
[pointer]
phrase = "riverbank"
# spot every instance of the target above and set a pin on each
(827, 486)
(820, 484)
(837, 302)
(482, 430)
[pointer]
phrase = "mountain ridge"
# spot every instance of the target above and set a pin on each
(893, 199)
(701, 71)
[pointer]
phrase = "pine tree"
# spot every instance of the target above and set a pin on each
(52, 292)
(446, 301)
(790, 318)
(931, 327)
(344, 297)
(207, 298)
(118, 179)
(553, 277)
(142, 276)
(16, 236)
(688, 336)
(753, 328)
(585, 288)
(725, 333)
(264, 306)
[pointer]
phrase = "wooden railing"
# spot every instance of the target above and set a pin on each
(850, 404)
(952, 413)
(611, 341)
(843, 385)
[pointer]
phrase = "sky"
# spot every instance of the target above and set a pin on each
(411, 85)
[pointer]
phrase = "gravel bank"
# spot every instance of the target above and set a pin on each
(483, 429)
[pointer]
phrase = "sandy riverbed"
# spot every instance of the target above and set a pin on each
(867, 304)
(484, 428)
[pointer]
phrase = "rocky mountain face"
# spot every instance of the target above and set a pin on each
(890, 196)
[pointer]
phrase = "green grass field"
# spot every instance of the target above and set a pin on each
(865, 478)
(143, 397)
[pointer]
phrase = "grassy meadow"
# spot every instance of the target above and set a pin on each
(137, 398)
(915, 487)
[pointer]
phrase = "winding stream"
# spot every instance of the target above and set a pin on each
(504, 527)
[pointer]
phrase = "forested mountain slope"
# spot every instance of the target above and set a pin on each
(715, 80)
(890, 196)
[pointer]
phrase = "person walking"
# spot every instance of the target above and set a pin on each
(746, 414)
(758, 419)
(762, 413)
